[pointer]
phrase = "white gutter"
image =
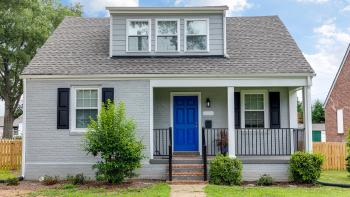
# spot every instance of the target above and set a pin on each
(167, 76)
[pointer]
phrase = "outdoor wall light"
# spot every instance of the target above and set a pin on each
(208, 102)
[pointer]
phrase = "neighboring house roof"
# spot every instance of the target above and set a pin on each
(255, 45)
(347, 54)
(15, 123)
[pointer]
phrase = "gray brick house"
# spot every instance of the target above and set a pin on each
(193, 80)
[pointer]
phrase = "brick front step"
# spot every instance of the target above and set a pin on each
(187, 165)
(186, 182)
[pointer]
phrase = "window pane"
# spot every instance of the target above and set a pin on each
(198, 27)
(138, 28)
(254, 101)
(83, 117)
(138, 43)
(196, 43)
(167, 27)
(167, 43)
(254, 119)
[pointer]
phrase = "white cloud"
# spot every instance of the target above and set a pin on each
(98, 7)
(346, 8)
(235, 6)
(313, 1)
(330, 49)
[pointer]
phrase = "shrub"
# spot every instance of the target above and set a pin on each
(78, 179)
(12, 181)
(112, 138)
(305, 167)
(348, 163)
(68, 186)
(49, 180)
(265, 180)
(225, 171)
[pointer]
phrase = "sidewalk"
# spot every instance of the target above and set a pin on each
(187, 190)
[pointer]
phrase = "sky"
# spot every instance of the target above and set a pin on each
(321, 28)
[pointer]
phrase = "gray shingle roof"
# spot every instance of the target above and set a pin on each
(255, 45)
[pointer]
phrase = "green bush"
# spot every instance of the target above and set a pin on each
(305, 167)
(225, 171)
(68, 186)
(348, 163)
(12, 181)
(49, 180)
(112, 138)
(78, 179)
(265, 180)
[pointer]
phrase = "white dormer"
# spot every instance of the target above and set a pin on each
(168, 31)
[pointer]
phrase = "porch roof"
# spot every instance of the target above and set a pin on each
(255, 45)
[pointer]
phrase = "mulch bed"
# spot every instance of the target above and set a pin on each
(36, 185)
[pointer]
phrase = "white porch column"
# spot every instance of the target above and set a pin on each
(307, 117)
(151, 121)
(293, 115)
(231, 121)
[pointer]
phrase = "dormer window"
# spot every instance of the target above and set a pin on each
(138, 35)
(196, 35)
(167, 38)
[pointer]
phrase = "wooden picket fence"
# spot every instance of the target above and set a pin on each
(10, 154)
(334, 152)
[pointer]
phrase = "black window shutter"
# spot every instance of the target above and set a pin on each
(237, 110)
(107, 93)
(275, 114)
(63, 108)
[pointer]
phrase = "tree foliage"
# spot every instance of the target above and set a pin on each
(112, 138)
(317, 112)
(24, 27)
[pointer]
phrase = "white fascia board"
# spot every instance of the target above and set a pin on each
(166, 10)
(229, 82)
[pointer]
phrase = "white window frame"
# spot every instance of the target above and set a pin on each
(340, 121)
(74, 108)
(185, 35)
(266, 106)
(178, 34)
(149, 34)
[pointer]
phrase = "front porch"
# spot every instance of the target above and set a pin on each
(256, 121)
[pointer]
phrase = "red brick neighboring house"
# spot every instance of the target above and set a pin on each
(337, 104)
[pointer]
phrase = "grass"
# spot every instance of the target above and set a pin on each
(6, 174)
(214, 190)
(157, 190)
(333, 176)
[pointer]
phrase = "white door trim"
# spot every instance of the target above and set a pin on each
(199, 96)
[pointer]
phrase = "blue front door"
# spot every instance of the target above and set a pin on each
(185, 123)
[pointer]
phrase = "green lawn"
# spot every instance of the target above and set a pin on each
(332, 176)
(213, 190)
(157, 190)
(6, 174)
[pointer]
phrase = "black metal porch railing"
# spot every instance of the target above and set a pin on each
(255, 142)
(161, 141)
(216, 141)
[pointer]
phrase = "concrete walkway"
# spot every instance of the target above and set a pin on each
(187, 190)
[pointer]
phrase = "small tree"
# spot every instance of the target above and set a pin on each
(112, 138)
(317, 112)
